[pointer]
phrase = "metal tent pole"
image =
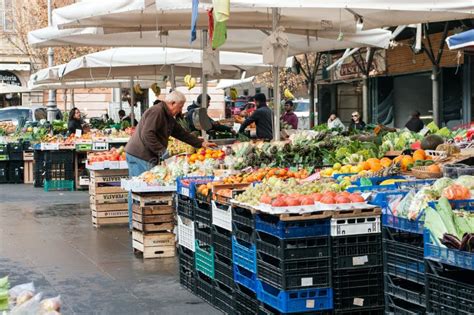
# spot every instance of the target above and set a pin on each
(132, 103)
(173, 78)
(435, 85)
(276, 86)
(204, 79)
(52, 107)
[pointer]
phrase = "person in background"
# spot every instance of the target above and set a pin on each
(356, 123)
(289, 116)
(415, 123)
(262, 117)
(75, 121)
(148, 144)
(122, 117)
(196, 105)
(335, 123)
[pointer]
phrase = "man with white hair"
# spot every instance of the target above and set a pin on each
(150, 140)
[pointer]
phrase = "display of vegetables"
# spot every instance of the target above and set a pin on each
(452, 229)
(4, 286)
(400, 141)
(176, 147)
(113, 154)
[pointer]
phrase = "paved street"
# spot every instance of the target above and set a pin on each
(48, 238)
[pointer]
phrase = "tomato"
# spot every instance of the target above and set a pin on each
(342, 199)
(266, 199)
(345, 194)
(327, 200)
(316, 196)
(305, 201)
(330, 194)
(356, 198)
(279, 202)
(291, 201)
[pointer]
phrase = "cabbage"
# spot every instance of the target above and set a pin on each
(440, 184)
(434, 223)
(447, 215)
(466, 181)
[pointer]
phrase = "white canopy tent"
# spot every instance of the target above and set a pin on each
(10, 89)
(84, 84)
(295, 15)
(224, 84)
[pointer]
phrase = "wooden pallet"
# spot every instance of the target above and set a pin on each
(97, 222)
(154, 251)
(121, 197)
(149, 199)
(110, 214)
(109, 207)
(153, 210)
(154, 239)
(153, 227)
(316, 215)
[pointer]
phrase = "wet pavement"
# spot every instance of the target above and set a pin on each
(48, 238)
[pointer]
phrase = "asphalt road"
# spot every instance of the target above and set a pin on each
(48, 238)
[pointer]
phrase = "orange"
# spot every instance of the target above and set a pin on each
(208, 156)
(406, 161)
(365, 165)
(434, 168)
(386, 162)
(201, 157)
(193, 158)
(419, 155)
(375, 167)
(398, 159)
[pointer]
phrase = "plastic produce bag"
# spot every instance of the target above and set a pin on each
(21, 293)
(50, 305)
(30, 307)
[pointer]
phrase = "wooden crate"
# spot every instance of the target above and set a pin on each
(109, 207)
(119, 197)
(110, 214)
(28, 175)
(150, 199)
(98, 222)
(108, 176)
(153, 227)
(28, 156)
(154, 245)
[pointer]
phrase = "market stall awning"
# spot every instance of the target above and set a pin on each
(249, 41)
(9, 89)
(48, 75)
(126, 62)
(88, 84)
(298, 15)
(464, 40)
(224, 84)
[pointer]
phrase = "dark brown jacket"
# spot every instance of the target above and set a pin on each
(150, 139)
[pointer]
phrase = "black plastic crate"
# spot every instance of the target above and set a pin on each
(224, 298)
(355, 289)
(243, 216)
(403, 255)
(245, 301)
(298, 274)
(3, 149)
(204, 287)
(294, 248)
(243, 233)
(185, 207)
(60, 156)
(223, 270)
(362, 311)
(222, 241)
(15, 151)
(4, 172)
(399, 306)
(202, 212)
(15, 172)
(186, 268)
(203, 233)
(450, 289)
(265, 309)
(408, 291)
(357, 251)
(186, 257)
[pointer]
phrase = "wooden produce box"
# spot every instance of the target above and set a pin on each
(153, 220)
(109, 202)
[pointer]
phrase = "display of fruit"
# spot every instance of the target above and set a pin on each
(176, 147)
(156, 89)
(113, 154)
(288, 95)
(326, 197)
(366, 168)
(263, 173)
(189, 81)
(275, 187)
(419, 158)
(206, 154)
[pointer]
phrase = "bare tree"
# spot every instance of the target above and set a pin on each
(302, 74)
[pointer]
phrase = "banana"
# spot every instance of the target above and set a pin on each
(137, 89)
(233, 93)
(156, 89)
(187, 78)
(192, 83)
(288, 94)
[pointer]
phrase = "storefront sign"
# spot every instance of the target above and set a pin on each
(350, 70)
(8, 77)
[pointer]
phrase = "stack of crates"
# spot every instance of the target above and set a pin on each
(357, 269)
(449, 274)
(54, 169)
(11, 163)
(3, 163)
(293, 264)
(153, 225)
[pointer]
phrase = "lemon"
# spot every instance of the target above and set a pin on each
(337, 166)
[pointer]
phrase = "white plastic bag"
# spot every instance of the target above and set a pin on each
(30, 307)
(50, 305)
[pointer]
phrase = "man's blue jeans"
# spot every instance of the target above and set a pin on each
(136, 167)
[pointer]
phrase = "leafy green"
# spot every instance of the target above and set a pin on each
(4, 283)
(432, 127)
(440, 184)
(434, 222)
(462, 225)
(447, 215)
(444, 132)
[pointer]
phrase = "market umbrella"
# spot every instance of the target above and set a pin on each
(9, 89)
(464, 40)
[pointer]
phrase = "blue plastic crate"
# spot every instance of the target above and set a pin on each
(374, 188)
(404, 224)
(467, 204)
(337, 176)
(190, 190)
(245, 277)
(306, 300)
(453, 257)
(244, 254)
(290, 229)
(414, 184)
(378, 180)
(381, 198)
